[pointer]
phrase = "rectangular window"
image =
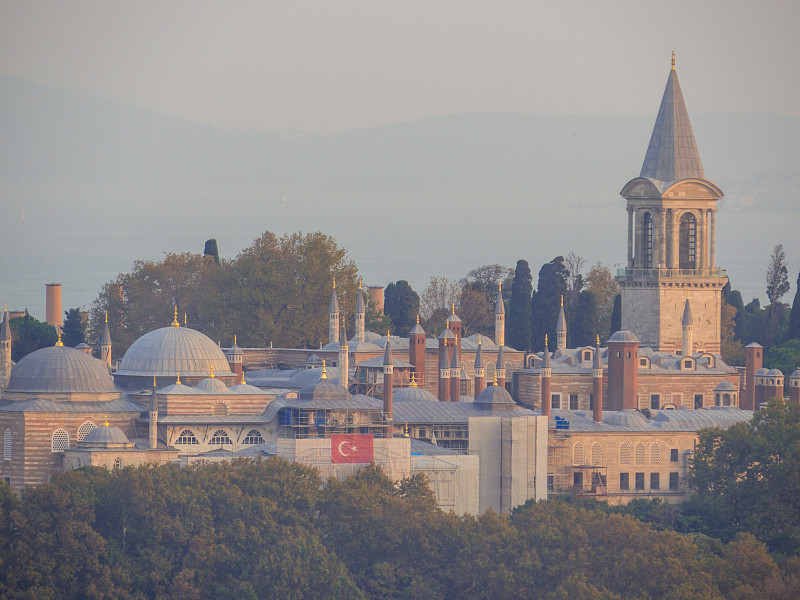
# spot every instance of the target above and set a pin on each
(673, 455)
(673, 481)
(577, 479)
(598, 479)
(555, 401)
(640, 481)
(654, 481)
(624, 481)
(591, 401)
(655, 401)
(687, 364)
(573, 401)
(550, 483)
(698, 400)
(642, 362)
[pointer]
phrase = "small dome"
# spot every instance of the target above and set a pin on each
(172, 350)
(795, 374)
(495, 396)
(725, 386)
(100, 436)
(413, 394)
(314, 359)
(623, 336)
(324, 389)
(177, 388)
(212, 385)
(244, 388)
(60, 370)
(774, 373)
(762, 372)
(235, 350)
(625, 418)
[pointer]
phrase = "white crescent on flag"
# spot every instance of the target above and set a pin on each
(341, 446)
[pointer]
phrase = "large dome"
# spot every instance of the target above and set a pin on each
(171, 350)
(60, 370)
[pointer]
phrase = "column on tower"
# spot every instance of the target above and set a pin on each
(662, 238)
(712, 246)
(630, 237)
(675, 241)
(700, 242)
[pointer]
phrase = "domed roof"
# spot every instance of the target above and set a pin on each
(795, 374)
(774, 373)
(761, 372)
(495, 395)
(245, 388)
(172, 350)
(623, 336)
(324, 389)
(60, 370)
(212, 385)
(105, 435)
(625, 418)
(725, 386)
(413, 394)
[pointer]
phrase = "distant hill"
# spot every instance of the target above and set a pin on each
(51, 136)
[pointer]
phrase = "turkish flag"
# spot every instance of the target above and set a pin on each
(351, 448)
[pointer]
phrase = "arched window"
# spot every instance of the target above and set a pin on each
(117, 463)
(641, 455)
(186, 437)
(220, 438)
(647, 241)
(253, 437)
(7, 445)
(60, 441)
(490, 372)
(687, 246)
(625, 454)
(84, 430)
(597, 454)
(220, 409)
(577, 454)
(726, 399)
(655, 454)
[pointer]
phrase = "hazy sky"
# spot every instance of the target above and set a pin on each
(331, 65)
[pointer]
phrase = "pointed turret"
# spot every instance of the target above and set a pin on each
(388, 382)
(444, 375)
(561, 328)
(597, 384)
(500, 369)
(686, 327)
(361, 314)
(499, 317)
(480, 370)
(546, 372)
(153, 429)
(333, 316)
(416, 351)
(5, 350)
(455, 377)
(672, 153)
(344, 359)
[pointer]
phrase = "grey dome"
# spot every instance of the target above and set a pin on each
(762, 372)
(774, 373)
(795, 374)
(623, 336)
(413, 394)
(625, 418)
(725, 386)
(60, 370)
(172, 350)
(245, 388)
(103, 435)
(495, 395)
(324, 389)
(212, 385)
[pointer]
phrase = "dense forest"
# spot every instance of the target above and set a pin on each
(273, 529)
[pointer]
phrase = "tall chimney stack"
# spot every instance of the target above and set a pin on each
(53, 313)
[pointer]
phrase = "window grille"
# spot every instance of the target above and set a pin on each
(220, 438)
(253, 437)
(597, 454)
(7, 445)
(118, 463)
(186, 437)
(84, 430)
(625, 454)
(641, 454)
(577, 454)
(60, 441)
(220, 409)
(655, 454)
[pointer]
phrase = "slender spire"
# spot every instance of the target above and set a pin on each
(324, 371)
(499, 305)
(479, 355)
(597, 363)
(5, 332)
(672, 153)
(687, 314)
(387, 354)
(175, 316)
(546, 362)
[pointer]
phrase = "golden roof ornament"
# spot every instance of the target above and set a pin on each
(184, 318)
(413, 380)
(598, 339)
(324, 371)
(59, 342)
(175, 316)
(562, 299)
(178, 381)
(545, 342)
(106, 316)
(673, 60)
(234, 339)
(495, 377)
(211, 369)
(106, 418)
(334, 283)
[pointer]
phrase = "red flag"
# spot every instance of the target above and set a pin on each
(351, 448)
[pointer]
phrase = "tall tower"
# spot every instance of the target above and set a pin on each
(416, 351)
(344, 359)
(561, 328)
(105, 344)
(499, 317)
(5, 351)
(361, 314)
(672, 210)
(333, 316)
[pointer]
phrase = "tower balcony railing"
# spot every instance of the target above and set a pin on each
(633, 273)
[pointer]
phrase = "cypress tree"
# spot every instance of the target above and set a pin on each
(616, 315)
(547, 302)
(518, 324)
(794, 318)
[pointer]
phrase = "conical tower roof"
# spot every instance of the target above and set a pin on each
(499, 305)
(687, 314)
(5, 330)
(672, 153)
(479, 355)
(561, 324)
(334, 306)
(387, 354)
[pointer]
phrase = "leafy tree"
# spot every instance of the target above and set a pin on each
(794, 319)
(585, 322)
(401, 303)
(730, 347)
(616, 315)
(210, 249)
(734, 299)
(785, 357)
(777, 276)
(518, 321)
(378, 322)
(29, 334)
(478, 295)
(547, 302)
(73, 332)
(440, 293)
(600, 281)
(486, 278)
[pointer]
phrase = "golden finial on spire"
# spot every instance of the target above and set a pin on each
(598, 339)
(413, 380)
(211, 369)
(360, 280)
(242, 381)
(106, 316)
(495, 377)
(59, 342)
(334, 283)
(106, 418)
(417, 318)
(184, 318)
(499, 286)
(178, 381)
(234, 339)
(454, 308)
(154, 383)
(479, 339)
(324, 371)
(545, 341)
(673, 60)
(175, 316)
(562, 299)
(405, 431)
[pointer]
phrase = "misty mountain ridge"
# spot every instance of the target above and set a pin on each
(57, 137)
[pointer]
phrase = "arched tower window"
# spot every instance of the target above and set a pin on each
(7, 445)
(186, 437)
(84, 430)
(647, 241)
(641, 455)
(577, 454)
(597, 454)
(687, 243)
(60, 441)
(625, 454)
(655, 454)
(117, 463)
